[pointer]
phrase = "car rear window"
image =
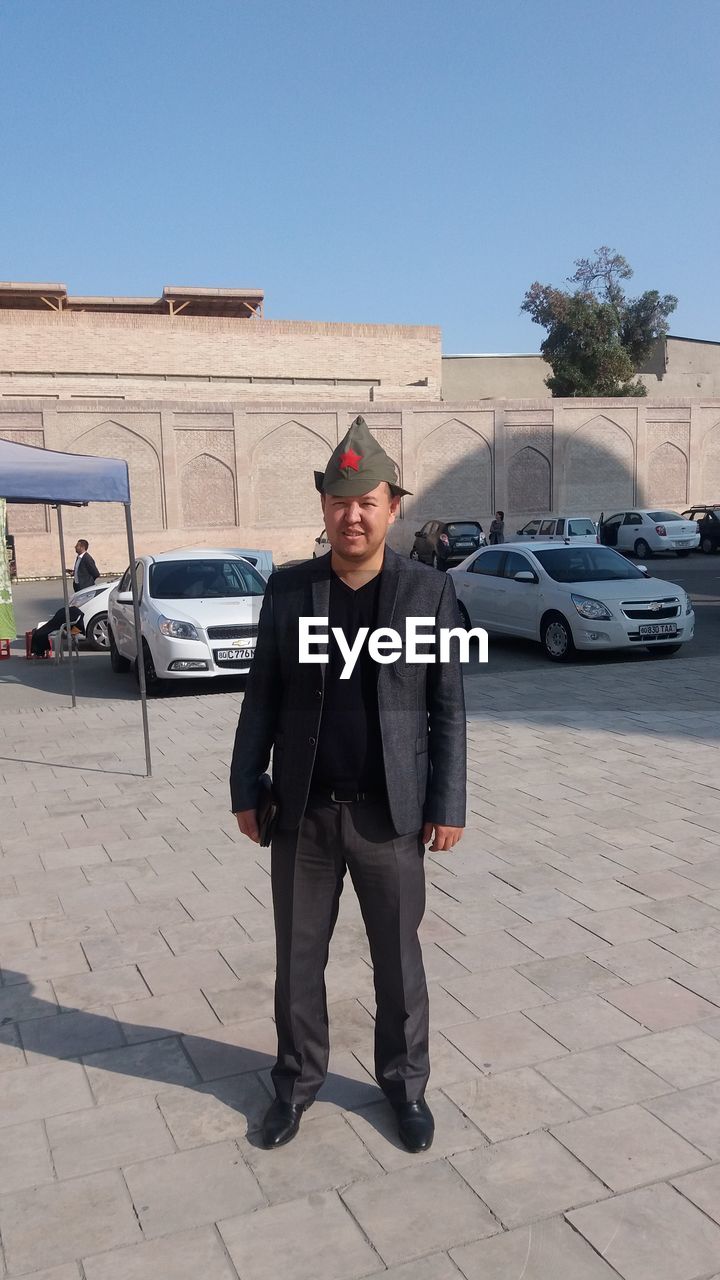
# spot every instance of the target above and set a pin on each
(586, 564)
(204, 580)
(464, 530)
(580, 528)
(665, 515)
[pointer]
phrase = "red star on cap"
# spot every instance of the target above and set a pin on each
(350, 460)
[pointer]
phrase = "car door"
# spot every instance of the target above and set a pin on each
(422, 545)
(610, 528)
(630, 531)
(519, 602)
(483, 589)
(124, 613)
(546, 532)
(528, 532)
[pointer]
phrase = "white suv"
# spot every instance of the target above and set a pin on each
(580, 530)
(646, 532)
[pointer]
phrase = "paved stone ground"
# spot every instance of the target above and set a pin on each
(573, 949)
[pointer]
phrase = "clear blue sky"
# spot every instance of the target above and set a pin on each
(415, 161)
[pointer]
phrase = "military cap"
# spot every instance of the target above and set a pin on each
(358, 465)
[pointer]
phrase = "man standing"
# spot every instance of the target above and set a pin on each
(368, 767)
(85, 571)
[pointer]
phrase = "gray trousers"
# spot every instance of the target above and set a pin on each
(387, 871)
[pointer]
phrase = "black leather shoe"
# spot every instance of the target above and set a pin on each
(281, 1122)
(416, 1126)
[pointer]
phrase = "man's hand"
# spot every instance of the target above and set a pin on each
(445, 837)
(247, 822)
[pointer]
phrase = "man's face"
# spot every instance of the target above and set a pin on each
(79, 548)
(357, 527)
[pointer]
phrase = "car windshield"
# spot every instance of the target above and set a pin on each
(586, 564)
(465, 530)
(664, 515)
(204, 580)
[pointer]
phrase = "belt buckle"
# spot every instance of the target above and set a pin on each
(338, 799)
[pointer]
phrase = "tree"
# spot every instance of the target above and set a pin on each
(597, 338)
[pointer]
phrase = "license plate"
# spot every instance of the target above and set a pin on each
(231, 655)
(658, 629)
(683, 542)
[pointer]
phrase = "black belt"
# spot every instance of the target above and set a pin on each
(342, 795)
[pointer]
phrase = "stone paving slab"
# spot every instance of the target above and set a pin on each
(573, 946)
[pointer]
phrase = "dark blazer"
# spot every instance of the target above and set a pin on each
(87, 572)
(422, 707)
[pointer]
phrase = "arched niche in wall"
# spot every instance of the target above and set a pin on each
(207, 494)
(283, 483)
(454, 472)
(529, 481)
(599, 468)
(667, 480)
(711, 466)
(112, 440)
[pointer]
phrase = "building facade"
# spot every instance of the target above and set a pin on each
(223, 416)
(241, 473)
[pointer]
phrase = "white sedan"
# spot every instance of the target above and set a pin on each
(572, 597)
(644, 533)
(93, 605)
(199, 615)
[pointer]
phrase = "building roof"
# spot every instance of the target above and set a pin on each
(174, 300)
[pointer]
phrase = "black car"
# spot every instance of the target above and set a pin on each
(708, 523)
(443, 543)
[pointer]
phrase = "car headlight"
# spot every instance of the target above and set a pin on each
(594, 609)
(688, 605)
(82, 597)
(178, 630)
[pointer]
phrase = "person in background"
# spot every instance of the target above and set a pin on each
(85, 571)
(497, 529)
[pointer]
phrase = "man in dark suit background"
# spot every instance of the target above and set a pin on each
(85, 571)
(367, 770)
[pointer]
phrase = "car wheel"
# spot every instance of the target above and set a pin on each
(665, 651)
(97, 633)
(414, 555)
(682, 555)
(557, 638)
(642, 550)
(707, 546)
(464, 616)
(117, 663)
(153, 683)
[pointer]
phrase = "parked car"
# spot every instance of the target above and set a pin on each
(571, 597)
(321, 545)
(644, 533)
(260, 560)
(708, 523)
(582, 529)
(198, 614)
(93, 605)
(443, 543)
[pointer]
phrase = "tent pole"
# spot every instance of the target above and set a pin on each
(138, 639)
(66, 598)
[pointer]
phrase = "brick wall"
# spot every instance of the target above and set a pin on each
(232, 473)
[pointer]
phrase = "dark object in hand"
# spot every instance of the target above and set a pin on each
(267, 809)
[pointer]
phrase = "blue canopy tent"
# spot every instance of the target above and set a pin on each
(28, 474)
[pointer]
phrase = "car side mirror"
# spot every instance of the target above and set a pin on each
(644, 570)
(525, 575)
(124, 597)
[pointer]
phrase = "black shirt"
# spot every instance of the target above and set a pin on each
(349, 747)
